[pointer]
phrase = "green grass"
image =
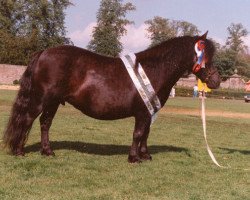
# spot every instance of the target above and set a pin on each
(91, 157)
(237, 106)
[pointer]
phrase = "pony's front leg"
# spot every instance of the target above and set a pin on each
(142, 126)
(143, 147)
(45, 123)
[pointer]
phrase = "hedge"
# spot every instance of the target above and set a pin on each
(218, 93)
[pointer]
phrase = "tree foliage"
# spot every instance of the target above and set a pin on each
(235, 39)
(111, 26)
(161, 29)
(186, 28)
(27, 26)
(231, 58)
(243, 66)
(224, 60)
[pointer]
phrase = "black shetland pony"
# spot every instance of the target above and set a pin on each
(101, 88)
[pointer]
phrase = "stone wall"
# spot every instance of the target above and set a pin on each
(10, 73)
(234, 82)
(187, 82)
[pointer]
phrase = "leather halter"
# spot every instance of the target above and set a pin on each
(200, 63)
(209, 74)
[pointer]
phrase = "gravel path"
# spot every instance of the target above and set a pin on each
(9, 87)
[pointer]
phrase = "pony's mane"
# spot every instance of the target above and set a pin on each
(178, 45)
(167, 46)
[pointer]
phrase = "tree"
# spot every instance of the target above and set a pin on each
(243, 66)
(235, 39)
(186, 28)
(224, 60)
(6, 15)
(229, 58)
(10, 15)
(46, 18)
(27, 26)
(111, 26)
(161, 29)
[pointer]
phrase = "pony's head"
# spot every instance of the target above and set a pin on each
(203, 66)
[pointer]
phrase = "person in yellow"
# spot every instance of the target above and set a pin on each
(203, 87)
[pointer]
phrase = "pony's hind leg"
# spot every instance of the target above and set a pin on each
(142, 126)
(45, 123)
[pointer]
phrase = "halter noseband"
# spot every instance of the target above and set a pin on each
(200, 63)
(200, 52)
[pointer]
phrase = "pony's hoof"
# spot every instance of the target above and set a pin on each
(145, 156)
(19, 153)
(134, 159)
(47, 152)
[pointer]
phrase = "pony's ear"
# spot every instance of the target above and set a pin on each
(204, 36)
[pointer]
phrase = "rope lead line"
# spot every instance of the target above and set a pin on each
(203, 117)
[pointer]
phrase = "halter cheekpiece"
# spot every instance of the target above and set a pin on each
(200, 52)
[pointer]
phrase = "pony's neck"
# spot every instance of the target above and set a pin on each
(165, 64)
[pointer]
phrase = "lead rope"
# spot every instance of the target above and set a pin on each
(203, 117)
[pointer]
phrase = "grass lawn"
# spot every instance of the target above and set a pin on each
(91, 156)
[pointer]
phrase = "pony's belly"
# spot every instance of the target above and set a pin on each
(107, 115)
(99, 108)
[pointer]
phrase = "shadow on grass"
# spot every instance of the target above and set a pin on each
(103, 149)
(229, 151)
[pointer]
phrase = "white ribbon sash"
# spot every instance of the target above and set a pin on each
(142, 85)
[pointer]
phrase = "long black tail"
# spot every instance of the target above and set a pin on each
(18, 125)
